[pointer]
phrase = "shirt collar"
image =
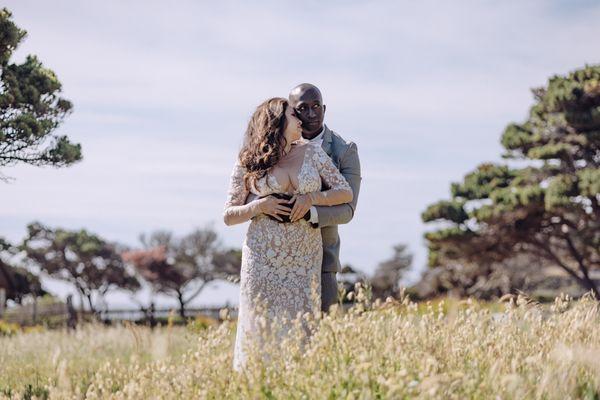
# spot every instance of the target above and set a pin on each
(319, 137)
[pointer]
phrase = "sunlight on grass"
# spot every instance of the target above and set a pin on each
(393, 349)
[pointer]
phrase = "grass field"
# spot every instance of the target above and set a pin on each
(392, 350)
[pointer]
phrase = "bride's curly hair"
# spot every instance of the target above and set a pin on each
(264, 140)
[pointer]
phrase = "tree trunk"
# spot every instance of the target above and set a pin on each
(181, 304)
(583, 268)
(89, 298)
(590, 285)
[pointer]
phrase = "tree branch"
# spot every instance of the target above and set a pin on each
(558, 261)
(197, 292)
(582, 267)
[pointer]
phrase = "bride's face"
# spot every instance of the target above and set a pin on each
(293, 126)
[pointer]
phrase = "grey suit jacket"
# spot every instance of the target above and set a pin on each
(344, 155)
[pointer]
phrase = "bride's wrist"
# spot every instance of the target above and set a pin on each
(257, 207)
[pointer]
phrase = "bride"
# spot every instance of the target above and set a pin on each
(282, 252)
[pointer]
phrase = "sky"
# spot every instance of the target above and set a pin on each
(162, 93)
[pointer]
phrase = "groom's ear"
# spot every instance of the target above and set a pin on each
(324, 108)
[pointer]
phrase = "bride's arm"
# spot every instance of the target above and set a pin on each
(236, 212)
(239, 214)
(331, 197)
(340, 191)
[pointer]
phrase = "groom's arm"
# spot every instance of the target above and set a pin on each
(251, 197)
(343, 213)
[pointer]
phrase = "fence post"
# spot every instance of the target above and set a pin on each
(72, 319)
(34, 309)
(2, 301)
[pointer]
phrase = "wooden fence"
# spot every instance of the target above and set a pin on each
(140, 314)
(31, 314)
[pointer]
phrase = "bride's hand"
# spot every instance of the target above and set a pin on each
(273, 206)
(301, 207)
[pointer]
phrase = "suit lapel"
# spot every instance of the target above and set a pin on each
(326, 145)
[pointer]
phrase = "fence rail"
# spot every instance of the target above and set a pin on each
(30, 314)
(137, 314)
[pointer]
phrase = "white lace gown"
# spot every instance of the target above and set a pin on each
(281, 262)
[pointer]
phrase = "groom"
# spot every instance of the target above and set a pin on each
(307, 101)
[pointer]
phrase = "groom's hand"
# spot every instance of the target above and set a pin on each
(301, 206)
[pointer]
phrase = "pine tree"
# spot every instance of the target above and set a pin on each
(548, 208)
(30, 107)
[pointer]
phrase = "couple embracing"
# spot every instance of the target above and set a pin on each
(296, 180)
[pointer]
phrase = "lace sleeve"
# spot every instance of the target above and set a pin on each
(235, 209)
(329, 172)
(237, 193)
(339, 191)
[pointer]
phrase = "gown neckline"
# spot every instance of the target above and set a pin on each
(298, 174)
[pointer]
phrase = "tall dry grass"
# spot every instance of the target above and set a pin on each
(391, 350)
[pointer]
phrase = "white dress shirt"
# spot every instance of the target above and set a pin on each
(314, 216)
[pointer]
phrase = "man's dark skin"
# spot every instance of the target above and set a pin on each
(307, 101)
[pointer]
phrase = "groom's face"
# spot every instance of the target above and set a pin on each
(310, 110)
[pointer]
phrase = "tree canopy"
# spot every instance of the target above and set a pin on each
(30, 107)
(91, 264)
(182, 267)
(386, 279)
(548, 208)
(17, 281)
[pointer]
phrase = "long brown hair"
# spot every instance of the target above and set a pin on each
(264, 140)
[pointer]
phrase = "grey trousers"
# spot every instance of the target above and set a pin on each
(328, 290)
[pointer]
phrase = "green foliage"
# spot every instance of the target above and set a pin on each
(517, 196)
(35, 392)
(549, 208)
(30, 107)
(84, 259)
(480, 183)
(450, 210)
(15, 279)
(200, 323)
(448, 233)
(8, 329)
(550, 151)
(560, 191)
(589, 181)
(518, 136)
(10, 36)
